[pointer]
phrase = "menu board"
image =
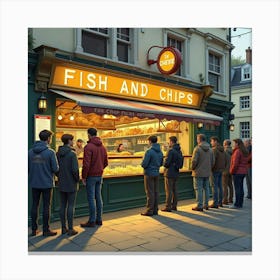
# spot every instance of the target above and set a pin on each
(41, 122)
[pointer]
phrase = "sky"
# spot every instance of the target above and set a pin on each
(241, 38)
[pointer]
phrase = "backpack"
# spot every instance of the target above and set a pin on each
(179, 161)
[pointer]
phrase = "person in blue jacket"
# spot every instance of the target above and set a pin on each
(42, 166)
(152, 161)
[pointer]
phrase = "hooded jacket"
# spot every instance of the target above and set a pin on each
(202, 160)
(68, 174)
(228, 153)
(220, 158)
(42, 165)
(239, 162)
(153, 160)
(171, 161)
(95, 158)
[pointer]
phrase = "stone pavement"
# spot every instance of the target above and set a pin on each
(221, 230)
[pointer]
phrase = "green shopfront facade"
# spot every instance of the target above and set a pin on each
(126, 191)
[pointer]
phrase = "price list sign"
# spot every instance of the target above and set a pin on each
(41, 122)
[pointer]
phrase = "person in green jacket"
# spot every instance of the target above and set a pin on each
(68, 178)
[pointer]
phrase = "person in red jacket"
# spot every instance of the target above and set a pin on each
(94, 162)
(238, 169)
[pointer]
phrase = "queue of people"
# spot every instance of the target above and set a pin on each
(216, 165)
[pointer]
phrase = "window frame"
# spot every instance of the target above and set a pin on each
(244, 102)
(249, 68)
(245, 132)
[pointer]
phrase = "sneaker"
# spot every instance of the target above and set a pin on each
(88, 224)
(99, 223)
(72, 232)
(155, 213)
(197, 209)
(166, 210)
(49, 233)
(64, 230)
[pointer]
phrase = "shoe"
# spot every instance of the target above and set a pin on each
(213, 206)
(99, 223)
(225, 203)
(249, 197)
(155, 213)
(64, 230)
(166, 210)
(146, 214)
(230, 202)
(197, 209)
(206, 207)
(221, 205)
(34, 232)
(72, 232)
(49, 233)
(174, 208)
(233, 207)
(88, 224)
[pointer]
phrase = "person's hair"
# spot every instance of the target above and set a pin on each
(66, 137)
(80, 140)
(241, 146)
(202, 137)
(153, 138)
(228, 142)
(215, 138)
(173, 139)
(118, 149)
(45, 134)
(92, 131)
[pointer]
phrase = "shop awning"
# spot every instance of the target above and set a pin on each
(122, 107)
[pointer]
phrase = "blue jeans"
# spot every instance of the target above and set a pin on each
(218, 189)
(201, 184)
(95, 203)
(239, 191)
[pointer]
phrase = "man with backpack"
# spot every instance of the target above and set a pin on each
(173, 162)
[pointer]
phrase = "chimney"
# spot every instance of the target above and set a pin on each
(249, 56)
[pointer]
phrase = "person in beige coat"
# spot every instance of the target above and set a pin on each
(202, 162)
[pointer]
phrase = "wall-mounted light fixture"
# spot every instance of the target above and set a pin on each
(199, 125)
(60, 117)
(231, 127)
(72, 117)
(42, 103)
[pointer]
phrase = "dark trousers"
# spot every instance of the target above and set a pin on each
(239, 191)
(151, 184)
(67, 200)
(170, 192)
(36, 195)
(227, 187)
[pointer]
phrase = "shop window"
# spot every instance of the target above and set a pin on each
(214, 71)
(245, 130)
(172, 42)
(244, 102)
(95, 41)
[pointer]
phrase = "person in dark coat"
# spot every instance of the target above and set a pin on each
(172, 164)
(68, 178)
(42, 166)
(152, 161)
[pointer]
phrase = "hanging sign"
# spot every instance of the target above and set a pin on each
(169, 60)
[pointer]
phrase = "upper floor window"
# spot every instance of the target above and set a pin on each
(123, 44)
(244, 102)
(245, 130)
(95, 41)
(246, 73)
(214, 71)
(178, 44)
(114, 43)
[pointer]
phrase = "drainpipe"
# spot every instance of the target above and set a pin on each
(229, 92)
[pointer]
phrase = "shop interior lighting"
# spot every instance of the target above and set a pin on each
(60, 117)
(109, 117)
(199, 125)
(72, 118)
(42, 103)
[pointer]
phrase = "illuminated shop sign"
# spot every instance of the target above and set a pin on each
(98, 82)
